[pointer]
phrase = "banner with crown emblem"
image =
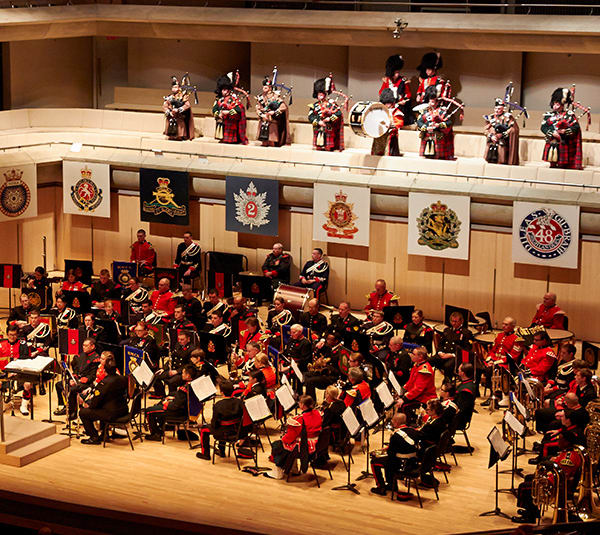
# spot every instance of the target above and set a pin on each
(341, 214)
(252, 205)
(439, 225)
(164, 196)
(18, 192)
(545, 234)
(86, 188)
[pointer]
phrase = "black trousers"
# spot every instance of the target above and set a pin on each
(89, 416)
(524, 497)
(162, 378)
(72, 395)
(446, 366)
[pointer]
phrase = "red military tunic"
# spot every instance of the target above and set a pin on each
(357, 394)
(377, 302)
(143, 253)
(67, 286)
(163, 302)
(421, 383)
(504, 344)
(313, 422)
(538, 361)
(9, 352)
(550, 318)
(246, 336)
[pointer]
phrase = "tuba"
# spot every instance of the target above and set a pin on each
(586, 504)
(549, 489)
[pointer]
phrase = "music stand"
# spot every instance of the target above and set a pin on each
(519, 431)
(214, 346)
(357, 342)
(258, 416)
(80, 302)
(255, 286)
(166, 273)
(353, 429)
(371, 419)
(398, 316)
(82, 268)
(499, 451)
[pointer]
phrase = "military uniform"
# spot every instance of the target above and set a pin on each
(85, 366)
(174, 408)
(231, 127)
(12, 351)
(452, 341)
(180, 356)
(163, 302)
(225, 424)
(379, 301)
(99, 291)
(65, 319)
(193, 311)
(316, 323)
(188, 257)
(312, 421)
(317, 271)
(419, 388)
(279, 268)
(356, 394)
(539, 362)
(340, 326)
(329, 136)
(419, 334)
(550, 318)
(397, 362)
(144, 255)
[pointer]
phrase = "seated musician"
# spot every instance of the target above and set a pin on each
(298, 349)
(466, 392)
(396, 359)
(399, 456)
(315, 273)
(37, 334)
(570, 405)
(149, 316)
(541, 357)
(225, 424)
(357, 390)
(324, 369)
(262, 378)
(420, 387)
(108, 401)
(239, 312)
(143, 254)
(102, 289)
(431, 432)
(506, 345)
(108, 312)
(188, 258)
(549, 314)
(142, 340)
(134, 294)
(218, 326)
(332, 409)
(92, 330)
(191, 306)
(278, 316)
(447, 395)
(173, 407)
(66, 317)
(343, 321)
(417, 332)
(378, 330)
(213, 304)
(280, 450)
(569, 460)
(84, 367)
(180, 321)
(380, 297)
(162, 299)
(179, 357)
(38, 280)
(18, 314)
(203, 367)
(71, 283)
(244, 359)
(454, 339)
(277, 266)
(251, 333)
(12, 349)
(313, 320)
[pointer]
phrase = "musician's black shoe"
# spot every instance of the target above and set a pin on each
(486, 403)
(42, 390)
(204, 456)
(61, 411)
(403, 496)
(537, 447)
(153, 438)
(379, 491)
(524, 519)
(91, 441)
(534, 460)
(220, 452)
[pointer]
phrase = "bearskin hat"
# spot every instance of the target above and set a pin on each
(224, 82)
(320, 86)
(498, 102)
(430, 93)
(562, 95)
(267, 81)
(394, 63)
(387, 97)
(174, 81)
(431, 60)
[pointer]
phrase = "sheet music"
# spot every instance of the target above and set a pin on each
(285, 382)
(297, 371)
(514, 424)
(495, 439)
(257, 408)
(351, 421)
(143, 374)
(527, 387)
(285, 397)
(36, 365)
(369, 414)
(397, 387)
(520, 407)
(203, 387)
(384, 395)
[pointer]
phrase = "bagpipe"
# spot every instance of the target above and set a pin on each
(584, 110)
(240, 93)
(278, 87)
(339, 97)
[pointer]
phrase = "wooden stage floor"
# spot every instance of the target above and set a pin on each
(170, 482)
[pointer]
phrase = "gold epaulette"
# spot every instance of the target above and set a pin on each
(424, 369)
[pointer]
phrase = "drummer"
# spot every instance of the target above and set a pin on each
(399, 85)
(387, 144)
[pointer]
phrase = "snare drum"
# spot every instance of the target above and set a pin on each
(295, 298)
(370, 119)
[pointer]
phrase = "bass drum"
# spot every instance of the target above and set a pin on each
(295, 298)
(370, 119)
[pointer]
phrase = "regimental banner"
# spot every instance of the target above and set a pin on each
(133, 358)
(18, 192)
(341, 214)
(439, 225)
(11, 275)
(164, 196)
(545, 234)
(86, 188)
(252, 205)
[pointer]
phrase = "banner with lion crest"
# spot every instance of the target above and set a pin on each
(18, 192)
(86, 188)
(439, 225)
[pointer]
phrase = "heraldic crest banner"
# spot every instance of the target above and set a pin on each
(439, 225)
(341, 214)
(545, 234)
(86, 188)
(252, 205)
(164, 196)
(18, 192)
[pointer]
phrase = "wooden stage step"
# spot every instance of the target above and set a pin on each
(27, 441)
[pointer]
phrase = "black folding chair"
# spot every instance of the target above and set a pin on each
(318, 456)
(412, 476)
(126, 421)
(230, 438)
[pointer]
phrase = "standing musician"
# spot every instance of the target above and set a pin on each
(387, 144)
(315, 273)
(272, 111)
(143, 254)
(298, 349)
(398, 85)
(229, 112)
(134, 294)
(435, 127)
(428, 76)
(420, 387)
(278, 316)
(163, 303)
(563, 134)
(191, 306)
(326, 117)
(187, 259)
(313, 320)
(541, 357)
(343, 322)
(454, 339)
(65, 316)
(378, 330)
(179, 118)
(277, 266)
(501, 136)
(380, 297)
(549, 314)
(417, 332)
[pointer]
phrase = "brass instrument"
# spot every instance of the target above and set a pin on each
(216, 307)
(381, 329)
(538, 391)
(378, 453)
(223, 330)
(141, 294)
(283, 318)
(319, 364)
(549, 489)
(586, 504)
(496, 382)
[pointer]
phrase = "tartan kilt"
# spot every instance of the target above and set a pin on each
(570, 155)
(334, 137)
(444, 146)
(234, 128)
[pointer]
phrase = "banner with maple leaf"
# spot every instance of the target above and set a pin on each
(252, 205)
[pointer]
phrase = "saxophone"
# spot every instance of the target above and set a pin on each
(586, 504)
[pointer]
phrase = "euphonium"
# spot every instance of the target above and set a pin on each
(586, 504)
(495, 387)
(549, 489)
